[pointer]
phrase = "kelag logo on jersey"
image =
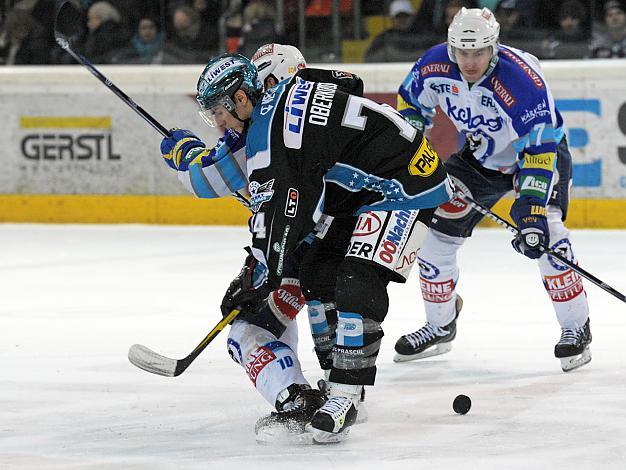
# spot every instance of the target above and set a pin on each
(295, 111)
(464, 116)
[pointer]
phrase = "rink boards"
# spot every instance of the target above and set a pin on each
(73, 152)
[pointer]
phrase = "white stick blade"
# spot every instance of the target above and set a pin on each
(148, 360)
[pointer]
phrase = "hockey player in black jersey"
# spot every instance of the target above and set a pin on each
(216, 172)
(311, 147)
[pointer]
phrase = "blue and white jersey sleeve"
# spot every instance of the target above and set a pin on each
(416, 101)
(538, 125)
(218, 171)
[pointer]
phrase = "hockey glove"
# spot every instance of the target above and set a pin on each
(533, 229)
(176, 149)
(248, 291)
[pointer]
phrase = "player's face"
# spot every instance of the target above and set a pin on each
(473, 63)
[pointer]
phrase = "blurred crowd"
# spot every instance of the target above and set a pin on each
(191, 31)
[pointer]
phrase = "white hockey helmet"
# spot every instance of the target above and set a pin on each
(473, 28)
(280, 61)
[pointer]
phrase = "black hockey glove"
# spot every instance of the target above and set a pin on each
(242, 294)
(533, 228)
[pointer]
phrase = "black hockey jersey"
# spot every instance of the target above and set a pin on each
(314, 148)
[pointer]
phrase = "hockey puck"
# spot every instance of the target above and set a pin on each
(461, 404)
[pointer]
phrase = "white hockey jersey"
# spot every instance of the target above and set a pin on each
(508, 117)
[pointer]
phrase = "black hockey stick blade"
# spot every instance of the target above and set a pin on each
(155, 363)
(502, 222)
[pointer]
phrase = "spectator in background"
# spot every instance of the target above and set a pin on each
(259, 19)
(22, 40)
(106, 32)
(144, 47)
(570, 41)
(512, 33)
(443, 13)
(610, 41)
(209, 12)
(400, 43)
(188, 43)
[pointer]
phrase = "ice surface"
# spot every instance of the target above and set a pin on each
(74, 298)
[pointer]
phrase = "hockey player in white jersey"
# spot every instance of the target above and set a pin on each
(497, 97)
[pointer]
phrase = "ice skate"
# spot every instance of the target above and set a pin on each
(362, 414)
(293, 413)
(429, 340)
(573, 347)
(332, 422)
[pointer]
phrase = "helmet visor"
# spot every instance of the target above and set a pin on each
(214, 115)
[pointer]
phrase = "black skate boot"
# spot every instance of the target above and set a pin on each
(295, 407)
(331, 423)
(429, 340)
(573, 347)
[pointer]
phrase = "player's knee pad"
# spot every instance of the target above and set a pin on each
(362, 287)
(323, 323)
(390, 239)
(564, 285)
(356, 349)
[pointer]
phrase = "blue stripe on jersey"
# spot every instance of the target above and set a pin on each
(200, 184)
(231, 173)
(394, 197)
(538, 135)
(258, 138)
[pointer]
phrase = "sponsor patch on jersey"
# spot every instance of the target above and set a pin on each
(360, 249)
(564, 286)
(543, 161)
(367, 224)
(295, 113)
(533, 185)
(527, 69)
(503, 93)
(437, 292)
(340, 74)
(440, 88)
(260, 193)
(455, 208)
(425, 161)
(540, 110)
(436, 67)
(291, 207)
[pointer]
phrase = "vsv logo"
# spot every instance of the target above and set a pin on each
(464, 116)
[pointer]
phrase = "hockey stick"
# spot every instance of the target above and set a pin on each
(67, 19)
(511, 228)
(153, 362)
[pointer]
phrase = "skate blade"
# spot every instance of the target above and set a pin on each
(362, 415)
(322, 437)
(568, 364)
(436, 350)
(279, 435)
